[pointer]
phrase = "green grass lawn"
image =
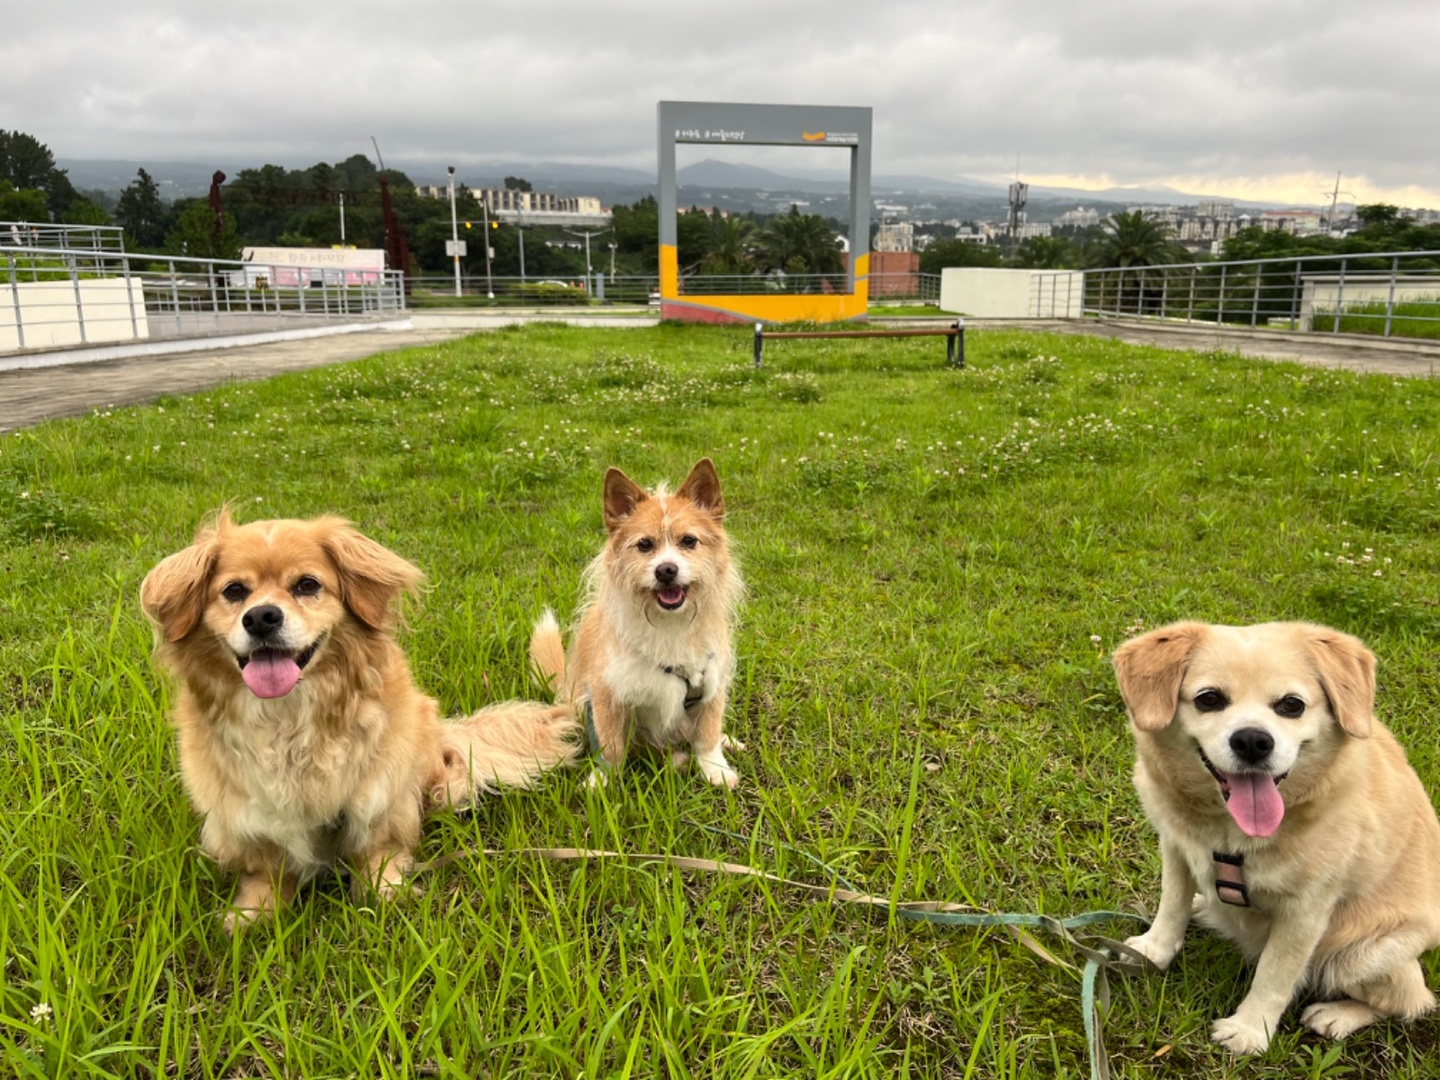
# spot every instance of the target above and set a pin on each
(939, 563)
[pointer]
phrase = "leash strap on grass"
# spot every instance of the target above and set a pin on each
(1101, 954)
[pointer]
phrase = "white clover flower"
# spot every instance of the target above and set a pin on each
(41, 1012)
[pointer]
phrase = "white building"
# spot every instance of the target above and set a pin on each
(895, 236)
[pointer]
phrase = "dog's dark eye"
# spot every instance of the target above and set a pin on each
(645, 544)
(306, 586)
(235, 592)
(1211, 701)
(687, 542)
(1289, 707)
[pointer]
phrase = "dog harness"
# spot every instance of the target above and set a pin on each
(1230, 879)
(694, 698)
(694, 694)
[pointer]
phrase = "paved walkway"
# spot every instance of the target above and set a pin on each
(1351, 352)
(30, 396)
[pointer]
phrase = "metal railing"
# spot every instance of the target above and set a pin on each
(1390, 294)
(61, 297)
(1055, 294)
(46, 234)
(434, 290)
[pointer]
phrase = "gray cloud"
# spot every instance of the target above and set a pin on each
(1138, 92)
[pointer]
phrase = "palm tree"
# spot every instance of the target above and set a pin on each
(728, 247)
(1132, 239)
(797, 243)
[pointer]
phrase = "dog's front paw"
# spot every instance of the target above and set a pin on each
(1239, 1036)
(598, 778)
(238, 919)
(718, 772)
(1159, 953)
(1337, 1019)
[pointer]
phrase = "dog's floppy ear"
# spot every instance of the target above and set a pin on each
(622, 496)
(372, 577)
(173, 593)
(1347, 672)
(1149, 669)
(702, 487)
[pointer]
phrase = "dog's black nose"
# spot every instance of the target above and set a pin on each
(666, 572)
(262, 620)
(1252, 745)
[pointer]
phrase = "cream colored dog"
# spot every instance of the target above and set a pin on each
(1289, 821)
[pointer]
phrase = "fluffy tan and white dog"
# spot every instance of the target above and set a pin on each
(1289, 821)
(652, 658)
(303, 741)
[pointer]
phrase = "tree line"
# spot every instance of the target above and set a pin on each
(1136, 238)
(275, 206)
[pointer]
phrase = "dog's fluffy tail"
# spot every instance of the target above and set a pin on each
(547, 653)
(506, 745)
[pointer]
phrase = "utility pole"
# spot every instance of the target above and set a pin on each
(520, 231)
(454, 230)
(342, 219)
(1334, 198)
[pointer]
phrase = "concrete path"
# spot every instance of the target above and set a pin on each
(1351, 352)
(30, 396)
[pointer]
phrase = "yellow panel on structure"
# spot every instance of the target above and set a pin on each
(760, 307)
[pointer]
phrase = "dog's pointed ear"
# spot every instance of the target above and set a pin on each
(372, 577)
(702, 487)
(622, 496)
(1347, 672)
(1149, 669)
(173, 593)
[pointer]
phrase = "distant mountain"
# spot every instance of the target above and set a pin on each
(541, 174)
(175, 179)
(1164, 196)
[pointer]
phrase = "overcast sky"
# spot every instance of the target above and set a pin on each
(1263, 99)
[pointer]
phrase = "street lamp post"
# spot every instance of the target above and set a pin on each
(454, 231)
(589, 277)
(612, 262)
(485, 220)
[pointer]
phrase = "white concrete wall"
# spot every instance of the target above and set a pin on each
(996, 293)
(50, 317)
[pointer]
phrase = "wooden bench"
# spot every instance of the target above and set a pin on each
(954, 335)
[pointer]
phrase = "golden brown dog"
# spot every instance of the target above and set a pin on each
(652, 658)
(303, 740)
(1289, 820)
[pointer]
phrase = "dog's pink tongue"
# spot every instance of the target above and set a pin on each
(270, 675)
(672, 595)
(1255, 803)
